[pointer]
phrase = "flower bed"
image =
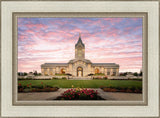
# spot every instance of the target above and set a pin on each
(80, 94)
(30, 88)
(119, 89)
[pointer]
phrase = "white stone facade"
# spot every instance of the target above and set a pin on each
(80, 67)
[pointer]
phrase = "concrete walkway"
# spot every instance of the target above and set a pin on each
(35, 96)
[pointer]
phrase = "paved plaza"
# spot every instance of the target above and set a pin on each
(119, 96)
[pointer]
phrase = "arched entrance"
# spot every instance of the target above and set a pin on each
(96, 70)
(62, 71)
(79, 72)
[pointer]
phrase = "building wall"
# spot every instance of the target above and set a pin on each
(87, 69)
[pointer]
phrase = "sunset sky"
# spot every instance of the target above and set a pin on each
(52, 40)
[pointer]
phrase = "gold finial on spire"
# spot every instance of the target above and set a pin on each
(79, 34)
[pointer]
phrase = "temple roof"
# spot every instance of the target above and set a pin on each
(80, 41)
(105, 64)
(54, 64)
(75, 60)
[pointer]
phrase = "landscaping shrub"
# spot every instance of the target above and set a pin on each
(100, 78)
(80, 94)
(105, 78)
(64, 78)
(97, 78)
(21, 78)
(60, 74)
(122, 89)
(29, 78)
(99, 74)
(42, 88)
(54, 78)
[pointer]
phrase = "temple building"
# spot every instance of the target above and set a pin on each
(80, 67)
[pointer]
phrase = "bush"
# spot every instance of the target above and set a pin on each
(80, 94)
(21, 78)
(48, 86)
(90, 74)
(64, 78)
(26, 90)
(54, 78)
(29, 78)
(100, 78)
(37, 89)
(121, 89)
(41, 88)
(58, 74)
(105, 78)
(99, 74)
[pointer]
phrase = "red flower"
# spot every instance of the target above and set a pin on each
(27, 85)
(30, 84)
(41, 82)
(19, 84)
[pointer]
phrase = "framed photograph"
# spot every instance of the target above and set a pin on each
(80, 59)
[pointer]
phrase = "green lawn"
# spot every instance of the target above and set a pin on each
(84, 83)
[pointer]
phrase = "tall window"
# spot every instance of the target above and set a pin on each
(114, 73)
(96, 70)
(51, 73)
(45, 72)
(62, 71)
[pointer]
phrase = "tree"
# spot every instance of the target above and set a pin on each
(68, 74)
(123, 74)
(19, 73)
(140, 74)
(90, 74)
(35, 73)
(135, 74)
(24, 73)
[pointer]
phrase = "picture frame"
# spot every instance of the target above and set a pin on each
(13, 9)
(73, 15)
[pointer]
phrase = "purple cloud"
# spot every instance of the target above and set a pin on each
(108, 40)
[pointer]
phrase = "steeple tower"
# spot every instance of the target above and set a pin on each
(79, 48)
(80, 41)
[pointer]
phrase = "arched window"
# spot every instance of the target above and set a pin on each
(96, 70)
(62, 71)
(45, 72)
(79, 71)
(51, 73)
(79, 68)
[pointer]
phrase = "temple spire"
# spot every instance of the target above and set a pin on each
(79, 49)
(80, 35)
(80, 40)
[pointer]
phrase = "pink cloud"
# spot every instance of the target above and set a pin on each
(55, 42)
